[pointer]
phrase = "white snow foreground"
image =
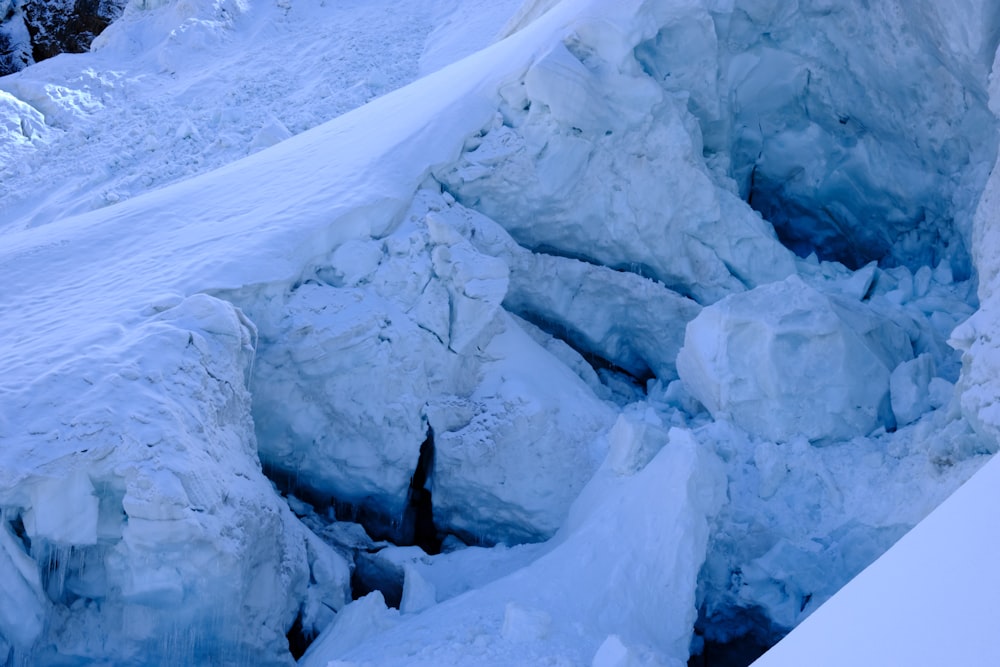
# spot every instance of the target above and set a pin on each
(527, 291)
(924, 602)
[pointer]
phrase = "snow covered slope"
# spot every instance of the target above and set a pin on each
(664, 288)
(924, 602)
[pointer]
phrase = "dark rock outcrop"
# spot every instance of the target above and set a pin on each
(33, 30)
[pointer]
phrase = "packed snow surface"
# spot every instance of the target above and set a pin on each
(571, 333)
(909, 606)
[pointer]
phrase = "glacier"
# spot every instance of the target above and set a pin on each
(545, 332)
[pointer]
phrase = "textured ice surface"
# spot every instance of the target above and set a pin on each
(784, 360)
(146, 529)
(622, 185)
(453, 293)
(404, 336)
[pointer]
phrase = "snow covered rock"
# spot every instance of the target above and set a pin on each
(33, 30)
(15, 41)
(784, 360)
(67, 26)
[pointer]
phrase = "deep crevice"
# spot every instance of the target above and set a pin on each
(824, 232)
(374, 574)
(371, 573)
(17, 528)
(378, 525)
(418, 520)
(298, 640)
(733, 637)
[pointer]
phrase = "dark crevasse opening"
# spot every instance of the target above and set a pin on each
(416, 529)
(733, 638)
(34, 30)
(374, 574)
(298, 639)
(842, 225)
(418, 520)
(370, 573)
(832, 231)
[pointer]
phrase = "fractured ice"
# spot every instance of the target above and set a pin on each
(695, 325)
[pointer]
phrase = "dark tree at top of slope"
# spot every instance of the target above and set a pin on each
(52, 26)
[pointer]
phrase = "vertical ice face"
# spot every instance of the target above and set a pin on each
(860, 130)
(141, 526)
(980, 396)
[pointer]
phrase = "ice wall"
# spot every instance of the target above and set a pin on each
(139, 528)
(860, 130)
(980, 397)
